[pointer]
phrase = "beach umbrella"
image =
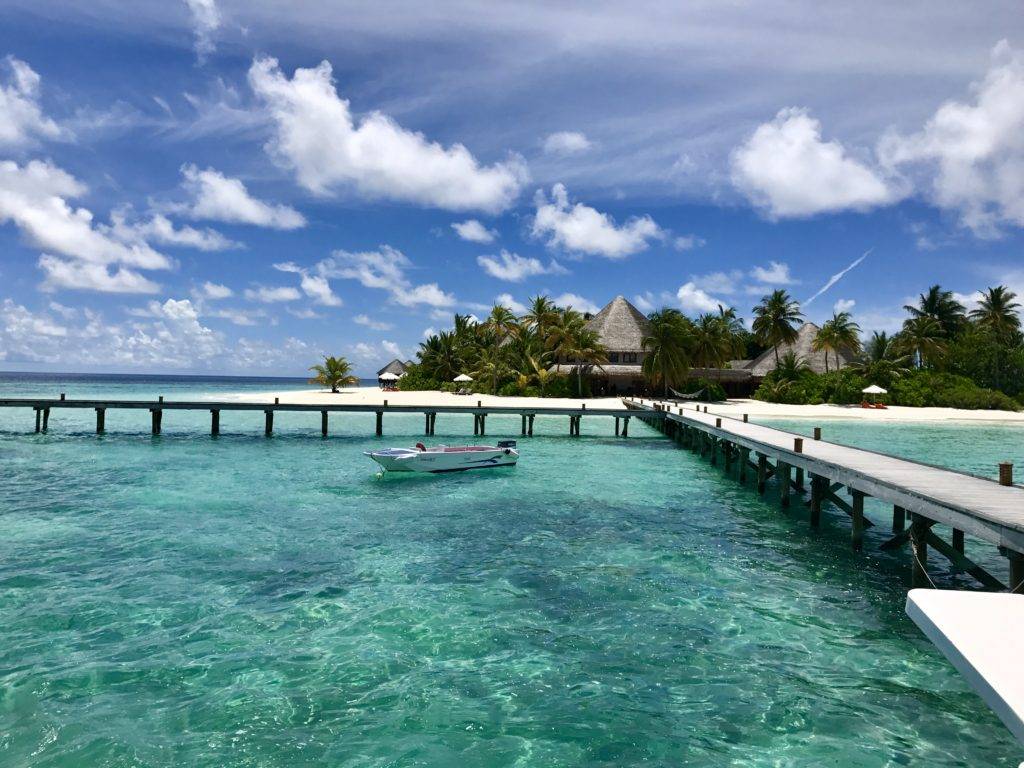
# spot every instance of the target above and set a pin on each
(388, 376)
(874, 389)
(463, 377)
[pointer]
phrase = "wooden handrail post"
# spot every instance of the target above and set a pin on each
(1006, 473)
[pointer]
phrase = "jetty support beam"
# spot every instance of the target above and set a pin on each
(762, 472)
(919, 551)
(857, 531)
(214, 422)
(323, 423)
(784, 472)
(46, 419)
(625, 426)
(157, 419)
(268, 422)
(39, 416)
(380, 423)
(101, 418)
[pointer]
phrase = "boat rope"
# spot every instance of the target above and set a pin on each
(924, 570)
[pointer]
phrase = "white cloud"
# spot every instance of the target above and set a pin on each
(159, 229)
(581, 229)
(515, 268)
(844, 305)
(694, 300)
(217, 197)
(473, 231)
(688, 242)
(33, 197)
(17, 321)
(267, 295)
(369, 322)
(215, 291)
(315, 287)
(22, 122)
(375, 355)
(787, 170)
(391, 347)
(566, 143)
(206, 21)
(507, 300)
(67, 313)
(428, 332)
(973, 151)
(776, 273)
(318, 137)
(577, 302)
(85, 276)
(719, 282)
(384, 269)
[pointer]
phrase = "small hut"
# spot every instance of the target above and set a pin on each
(803, 348)
(396, 366)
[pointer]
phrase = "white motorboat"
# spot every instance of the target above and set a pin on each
(447, 458)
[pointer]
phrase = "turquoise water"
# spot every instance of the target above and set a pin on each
(241, 601)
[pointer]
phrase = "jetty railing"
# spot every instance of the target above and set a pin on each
(43, 407)
(814, 472)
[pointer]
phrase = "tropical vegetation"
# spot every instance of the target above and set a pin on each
(334, 372)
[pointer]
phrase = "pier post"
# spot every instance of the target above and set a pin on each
(523, 430)
(919, 551)
(157, 415)
(762, 472)
(783, 470)
(744, 461)
(727, 448)
(433, 422)
(46, 418)
(958, 540)
(380, 423)
(616, 426)
(426, 424)
(817, 433)
(857, 531)
(483, 424)
(529, 428)
(714, 450)
(101, 418)
(1005, 473)
(899, 519)
(799, 482)
(268, 427)
(817, 492)
(323, 423)
(1016, 571)
(39, 416)
(214, 422)
(625, 427)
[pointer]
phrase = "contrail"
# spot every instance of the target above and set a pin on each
(838, 276)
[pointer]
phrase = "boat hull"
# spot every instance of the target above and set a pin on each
(437, 462)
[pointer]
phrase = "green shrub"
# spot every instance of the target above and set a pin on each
(929, 389)
(415, 380)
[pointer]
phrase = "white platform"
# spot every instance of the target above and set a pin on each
(982, 634)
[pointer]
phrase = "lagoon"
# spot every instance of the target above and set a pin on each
(242, 601)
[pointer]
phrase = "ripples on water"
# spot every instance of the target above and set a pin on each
(241, 601)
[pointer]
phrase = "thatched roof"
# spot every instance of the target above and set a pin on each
(620, 326)
(605, 369)
(396, 367)
(765, 363)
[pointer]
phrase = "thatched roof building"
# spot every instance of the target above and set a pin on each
(396, 367)
(803, 348)
(620, 327)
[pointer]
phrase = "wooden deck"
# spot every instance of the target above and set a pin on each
(44, 406)
(921, 494)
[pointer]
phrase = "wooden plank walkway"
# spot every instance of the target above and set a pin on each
(981, 507)
(480, 412)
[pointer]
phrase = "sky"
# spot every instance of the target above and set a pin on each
(208, 186)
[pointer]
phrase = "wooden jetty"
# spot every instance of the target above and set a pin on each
(156, 408)
(816, 471)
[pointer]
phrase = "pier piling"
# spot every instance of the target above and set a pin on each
(268, 425)
(857, 530)
(1006, 473)
(529, 429)
(101, 414)
(39, 416)
(380, 423)
(214, 422)
(46, 419)
(323, 423)
(899, 519)
(156, 417)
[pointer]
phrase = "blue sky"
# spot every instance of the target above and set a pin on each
(211, 186)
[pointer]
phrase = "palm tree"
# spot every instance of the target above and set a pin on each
(711, 342)
(839, 332)
(540, 315)
(501, 321)
(440, 355)
(883, 361)
(665, 348)
(923, 337)
(734, 331)
(997, 314)
(774, 320)
(941, 306)
(491, 365)
(334, 372)
(567, 325)
(791, 368)
(586, 349)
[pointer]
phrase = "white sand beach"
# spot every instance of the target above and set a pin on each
(735, 408)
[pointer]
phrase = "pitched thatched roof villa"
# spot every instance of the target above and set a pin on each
(621, 329)
(396, 367)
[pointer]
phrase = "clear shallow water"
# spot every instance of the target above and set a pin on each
(241, 601)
